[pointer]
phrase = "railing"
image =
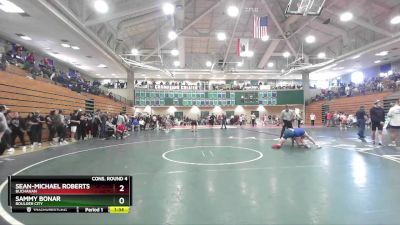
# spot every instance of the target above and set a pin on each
(116, 97)
(206, 88)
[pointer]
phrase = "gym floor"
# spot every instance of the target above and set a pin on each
(228, 176)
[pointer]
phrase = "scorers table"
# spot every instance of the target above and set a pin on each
(70, 194)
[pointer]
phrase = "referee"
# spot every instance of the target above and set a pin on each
(377, 115)
(287, 116)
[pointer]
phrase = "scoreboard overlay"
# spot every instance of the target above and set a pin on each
(70, 194)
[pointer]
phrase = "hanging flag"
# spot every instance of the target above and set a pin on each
(260, 26)
(242, 46)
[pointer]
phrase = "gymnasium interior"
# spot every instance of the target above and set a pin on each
(216, 111)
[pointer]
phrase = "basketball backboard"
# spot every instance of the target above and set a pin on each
(305, 7)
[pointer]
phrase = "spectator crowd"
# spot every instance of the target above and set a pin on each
(60, 128)
(21, 57)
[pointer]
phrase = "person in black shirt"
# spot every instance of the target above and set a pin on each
(17, 125)
(212, 118)
(223, 122)
(50, 126)
(360, 115)
(74, 123)
(31, 128)
(377, 119)
(40, 120)
(81, 132)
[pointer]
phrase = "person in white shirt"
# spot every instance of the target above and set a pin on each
(241, 120)
(394, 123)
(312, 118)
(347, 90)
(253, 119)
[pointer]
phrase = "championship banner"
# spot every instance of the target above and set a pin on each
(242, 46)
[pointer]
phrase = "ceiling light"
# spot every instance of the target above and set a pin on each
(286, 54)
(377, 61)
(10, 7)
(135, 51)
(356, 57)
(83, 67)
(65, 45)
(240, 64)
(221, 36)
(321, 55)
(168, 8)
(383, 53)
(174, 52)
(26, 38)
(101, 6)
(172, 35)
(75, 47)
(232, 11)
(177, 63)
(265, 38)
(208, 64)
(282, 70)
(102, 66)
(310, 39)
(395, 20)
(270, 64)
(346, 16)
(47, 48)
(97, 74)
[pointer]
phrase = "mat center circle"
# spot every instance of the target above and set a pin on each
(212, 155)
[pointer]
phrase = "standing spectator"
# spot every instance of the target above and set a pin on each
(360, 115)
(377, 115)
(212, 119)
(223, 122)
(17, 125)
(287, 116)
(312, 118)
(50, 127)
(81, 131)
(298, 118)
(95, 124)
(253, 119)
(343, 121)
(5, 132)
(74, 123)
(40, 120)
(103, 120)
(394, 123)
(329, 117)
(59, 125)
(31, 128)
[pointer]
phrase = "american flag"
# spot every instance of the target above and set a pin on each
(260, 26)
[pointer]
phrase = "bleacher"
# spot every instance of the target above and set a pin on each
(26, 95)
(345, 104)
(106, 104)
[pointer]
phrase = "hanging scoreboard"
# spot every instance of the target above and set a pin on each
(144, 97)
(70, 194)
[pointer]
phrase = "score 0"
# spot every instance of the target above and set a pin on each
(123, 189)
